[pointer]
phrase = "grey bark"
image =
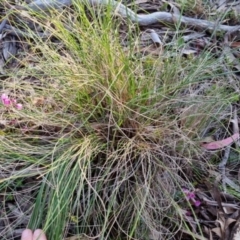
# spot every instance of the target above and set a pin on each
(143, 20)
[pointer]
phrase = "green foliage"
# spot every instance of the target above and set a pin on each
(108, 135)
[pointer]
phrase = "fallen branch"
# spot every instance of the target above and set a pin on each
(143, 20)
(8, 29)
(43, 5)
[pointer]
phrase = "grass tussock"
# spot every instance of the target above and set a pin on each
(106, 138)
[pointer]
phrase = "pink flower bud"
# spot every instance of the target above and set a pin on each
(19, 106)
(4, 96)
(6, 101)
(197, 203)
(190, 195)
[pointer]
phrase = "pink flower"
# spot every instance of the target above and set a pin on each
(4, 96)
(6, 101)
(190, 196)
(197, 203)
(19, 106)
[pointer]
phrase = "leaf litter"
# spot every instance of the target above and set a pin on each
(219, 213)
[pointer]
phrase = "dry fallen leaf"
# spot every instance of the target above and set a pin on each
(38, 101)
(217, 231)
(236, 232)
(235, 44)
(222, 143)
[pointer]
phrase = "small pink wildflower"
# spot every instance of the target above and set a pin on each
(4, 96)
(197, 203)
(190, 196)
(19, 106)
(6, 101)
